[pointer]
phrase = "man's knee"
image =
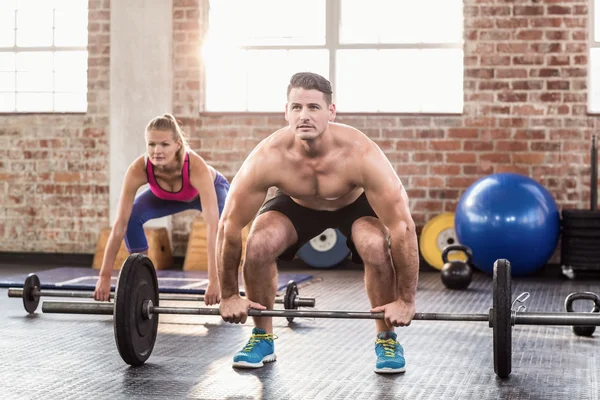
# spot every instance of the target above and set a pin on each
(263, 246)
(372, 245)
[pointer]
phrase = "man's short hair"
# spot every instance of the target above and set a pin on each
(311, 81)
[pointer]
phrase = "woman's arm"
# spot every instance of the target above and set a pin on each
(203, 181)
(135, 177)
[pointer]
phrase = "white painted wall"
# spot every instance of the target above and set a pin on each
(141, 82)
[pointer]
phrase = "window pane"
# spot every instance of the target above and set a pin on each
(70, 60)
(441, 74)
(444, 24)
(401, 21)
(352, 91)
(7, 81)
(70, 81)
(264, 22)
(34, 24)
(36, 81)
(70, 102)
(7, 24)
(71, 36)
(256, 80)
(34, 61)
(71, 26)
(392, 85)
(7, 102)
(399, 80)
(225, 80)
(594, 91)
(34, 102)
(269, 73)
(7, 61)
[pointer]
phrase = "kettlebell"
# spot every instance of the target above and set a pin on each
(457, 274)
(580, 330)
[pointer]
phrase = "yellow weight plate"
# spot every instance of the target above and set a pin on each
(436, 235)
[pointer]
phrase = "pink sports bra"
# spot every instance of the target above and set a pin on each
(187, 192)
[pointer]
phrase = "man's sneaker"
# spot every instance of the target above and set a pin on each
(390, 355)
(259, 349)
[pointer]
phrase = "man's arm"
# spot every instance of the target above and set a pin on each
(389, 200)
(246, 195)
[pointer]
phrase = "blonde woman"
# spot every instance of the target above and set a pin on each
(179, 179)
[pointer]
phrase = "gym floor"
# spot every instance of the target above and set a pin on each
(74, 356)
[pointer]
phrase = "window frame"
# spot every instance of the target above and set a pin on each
(332, 44)
(15, 49)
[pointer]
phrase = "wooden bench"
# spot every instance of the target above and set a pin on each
(196, 258)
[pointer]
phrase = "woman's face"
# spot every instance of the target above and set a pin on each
(161, 146)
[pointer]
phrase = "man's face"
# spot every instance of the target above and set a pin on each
(307, 113)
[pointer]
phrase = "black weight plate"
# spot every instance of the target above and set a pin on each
(581, 223)
(581, 233)
(580, 259)
(581, 251)
(30, 300)
(289, 300)
(594, 267)
(134, 334)
(580, 214)
(579, 242)
(501, 318)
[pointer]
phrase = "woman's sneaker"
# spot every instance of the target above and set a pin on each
(259, 350)
(390, 355)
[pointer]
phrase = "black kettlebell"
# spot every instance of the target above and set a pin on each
(457, 274)
(578, 329)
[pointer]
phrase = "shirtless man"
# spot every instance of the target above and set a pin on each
(328, 175)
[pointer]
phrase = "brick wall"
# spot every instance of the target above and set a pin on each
(54, 167)
(525, 111)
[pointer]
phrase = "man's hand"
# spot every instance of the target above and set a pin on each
(397, 313)
(102, 291)
(212, 295)
(234, 309)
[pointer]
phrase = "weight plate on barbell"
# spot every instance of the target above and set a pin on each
(289, 301)
(135, 335)
(30, 300)
(501, 318)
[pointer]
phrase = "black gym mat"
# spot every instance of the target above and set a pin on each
(75, 357)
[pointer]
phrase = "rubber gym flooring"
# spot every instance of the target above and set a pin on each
(74, 356)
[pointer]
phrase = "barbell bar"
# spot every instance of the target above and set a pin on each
(136, 311)
(148, 309)
(31, 293)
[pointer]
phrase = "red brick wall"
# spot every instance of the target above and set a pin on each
(525, 111)
(54, 167)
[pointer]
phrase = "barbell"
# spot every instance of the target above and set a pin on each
(136, 310)
(31, 293)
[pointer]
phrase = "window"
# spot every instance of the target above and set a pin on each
(396, 56)
(43, 55)
(594, 71)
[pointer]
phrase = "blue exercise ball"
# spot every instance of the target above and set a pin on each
(510, 216)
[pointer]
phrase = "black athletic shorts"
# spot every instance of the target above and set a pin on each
(310, 223)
